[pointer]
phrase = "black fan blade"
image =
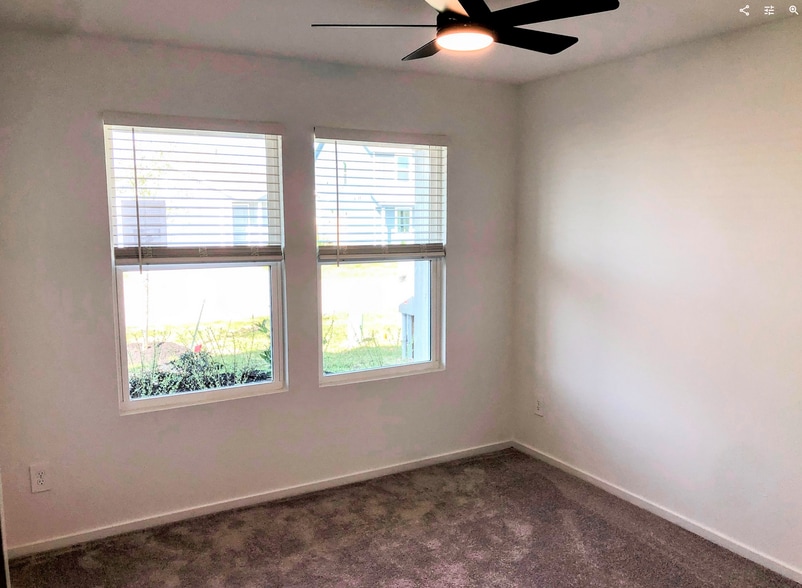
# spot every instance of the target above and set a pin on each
(373, 26)
(546, 10)
(427, 50)
(476, 9)
(539, 41)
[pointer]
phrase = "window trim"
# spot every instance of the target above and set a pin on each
(331, 133)
(437, 363)
(269, 256)
(189, 123)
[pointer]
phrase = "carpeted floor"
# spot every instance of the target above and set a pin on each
(499, 520)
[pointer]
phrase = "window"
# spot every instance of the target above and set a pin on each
(402, 220)
(381, 253)
(196, 225)
(396, 219)
(245, 216)
(402, 168)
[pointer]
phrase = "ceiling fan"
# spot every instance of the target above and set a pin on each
(468, 25)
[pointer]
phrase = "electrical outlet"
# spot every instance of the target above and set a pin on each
(40, 477)
(539, 407)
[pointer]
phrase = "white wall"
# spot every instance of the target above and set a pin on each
(660, 278)
(57, 349)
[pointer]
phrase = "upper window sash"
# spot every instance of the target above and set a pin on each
(358, 191)
(177, 187)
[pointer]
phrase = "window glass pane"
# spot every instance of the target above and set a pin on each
(197, 329)
(190, 188)
(402, 166)
(379, 194)
(375, 315)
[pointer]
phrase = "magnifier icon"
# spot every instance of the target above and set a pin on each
(792, 10)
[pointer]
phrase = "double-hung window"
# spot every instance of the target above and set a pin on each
(381, 231)
(196, 226)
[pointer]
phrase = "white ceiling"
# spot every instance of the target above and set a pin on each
(281, 27)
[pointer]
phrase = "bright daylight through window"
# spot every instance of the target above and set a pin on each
(381, 228)
(197, 236)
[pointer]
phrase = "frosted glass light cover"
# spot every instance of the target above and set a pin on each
(464, 39)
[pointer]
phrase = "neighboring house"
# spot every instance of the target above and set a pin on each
(182, 194)
(370, 216)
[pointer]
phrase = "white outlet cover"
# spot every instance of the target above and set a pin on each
(40, 476)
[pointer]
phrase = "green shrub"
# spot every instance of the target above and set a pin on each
(190, 372)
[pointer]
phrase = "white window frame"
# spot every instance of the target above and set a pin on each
(278, 383)
(437, 279)
(437, 322)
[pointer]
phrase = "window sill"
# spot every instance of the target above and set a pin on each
(128, 407)
(381, 374)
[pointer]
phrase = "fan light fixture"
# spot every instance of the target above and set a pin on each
(470, 25)
(468, 37)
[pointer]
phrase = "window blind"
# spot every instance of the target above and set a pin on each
(189, 196)
(379, 199)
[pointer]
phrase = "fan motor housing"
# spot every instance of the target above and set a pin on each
(453, 22)
(449, 19)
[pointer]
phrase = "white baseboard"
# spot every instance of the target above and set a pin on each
(223, 505)
(711, 535)
(154, 521)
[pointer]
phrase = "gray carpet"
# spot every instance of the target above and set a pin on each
(499, 520)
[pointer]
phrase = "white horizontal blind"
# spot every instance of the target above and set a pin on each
(187, 196)
(377, 199)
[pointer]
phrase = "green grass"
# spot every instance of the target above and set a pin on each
(234, 339)
(361, 358)
(374, 343)
(238, 345)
